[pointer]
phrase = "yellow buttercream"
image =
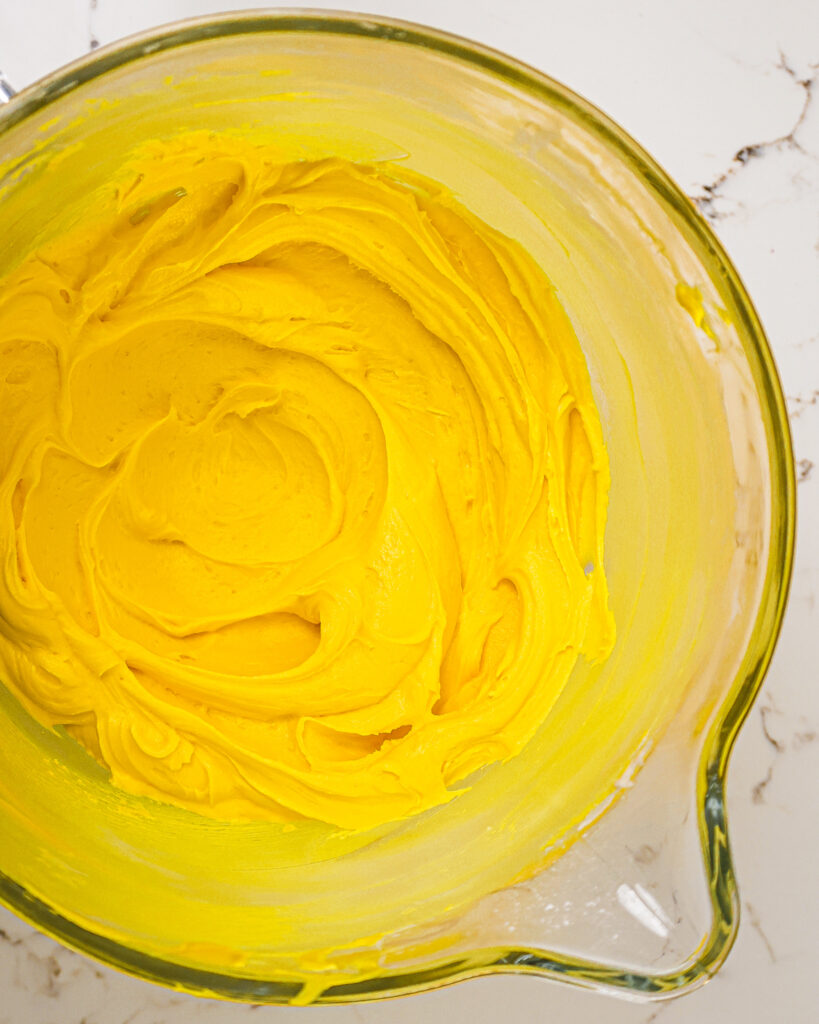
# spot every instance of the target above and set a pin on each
(302, 487)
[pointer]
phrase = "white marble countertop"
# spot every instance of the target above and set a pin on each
(726, 96)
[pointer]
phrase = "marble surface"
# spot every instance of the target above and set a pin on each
(726, 96)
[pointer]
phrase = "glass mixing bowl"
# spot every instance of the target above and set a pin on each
(524, 871)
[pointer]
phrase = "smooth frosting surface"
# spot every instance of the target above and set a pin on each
(302, 487)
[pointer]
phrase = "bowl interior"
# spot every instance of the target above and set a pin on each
(698, 498)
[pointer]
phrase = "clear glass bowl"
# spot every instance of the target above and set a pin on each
(523, 873)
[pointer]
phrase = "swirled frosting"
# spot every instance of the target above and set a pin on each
(302, 487)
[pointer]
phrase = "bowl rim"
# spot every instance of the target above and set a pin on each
(704, 961)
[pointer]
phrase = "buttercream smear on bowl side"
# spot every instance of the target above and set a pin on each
(302, 487)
